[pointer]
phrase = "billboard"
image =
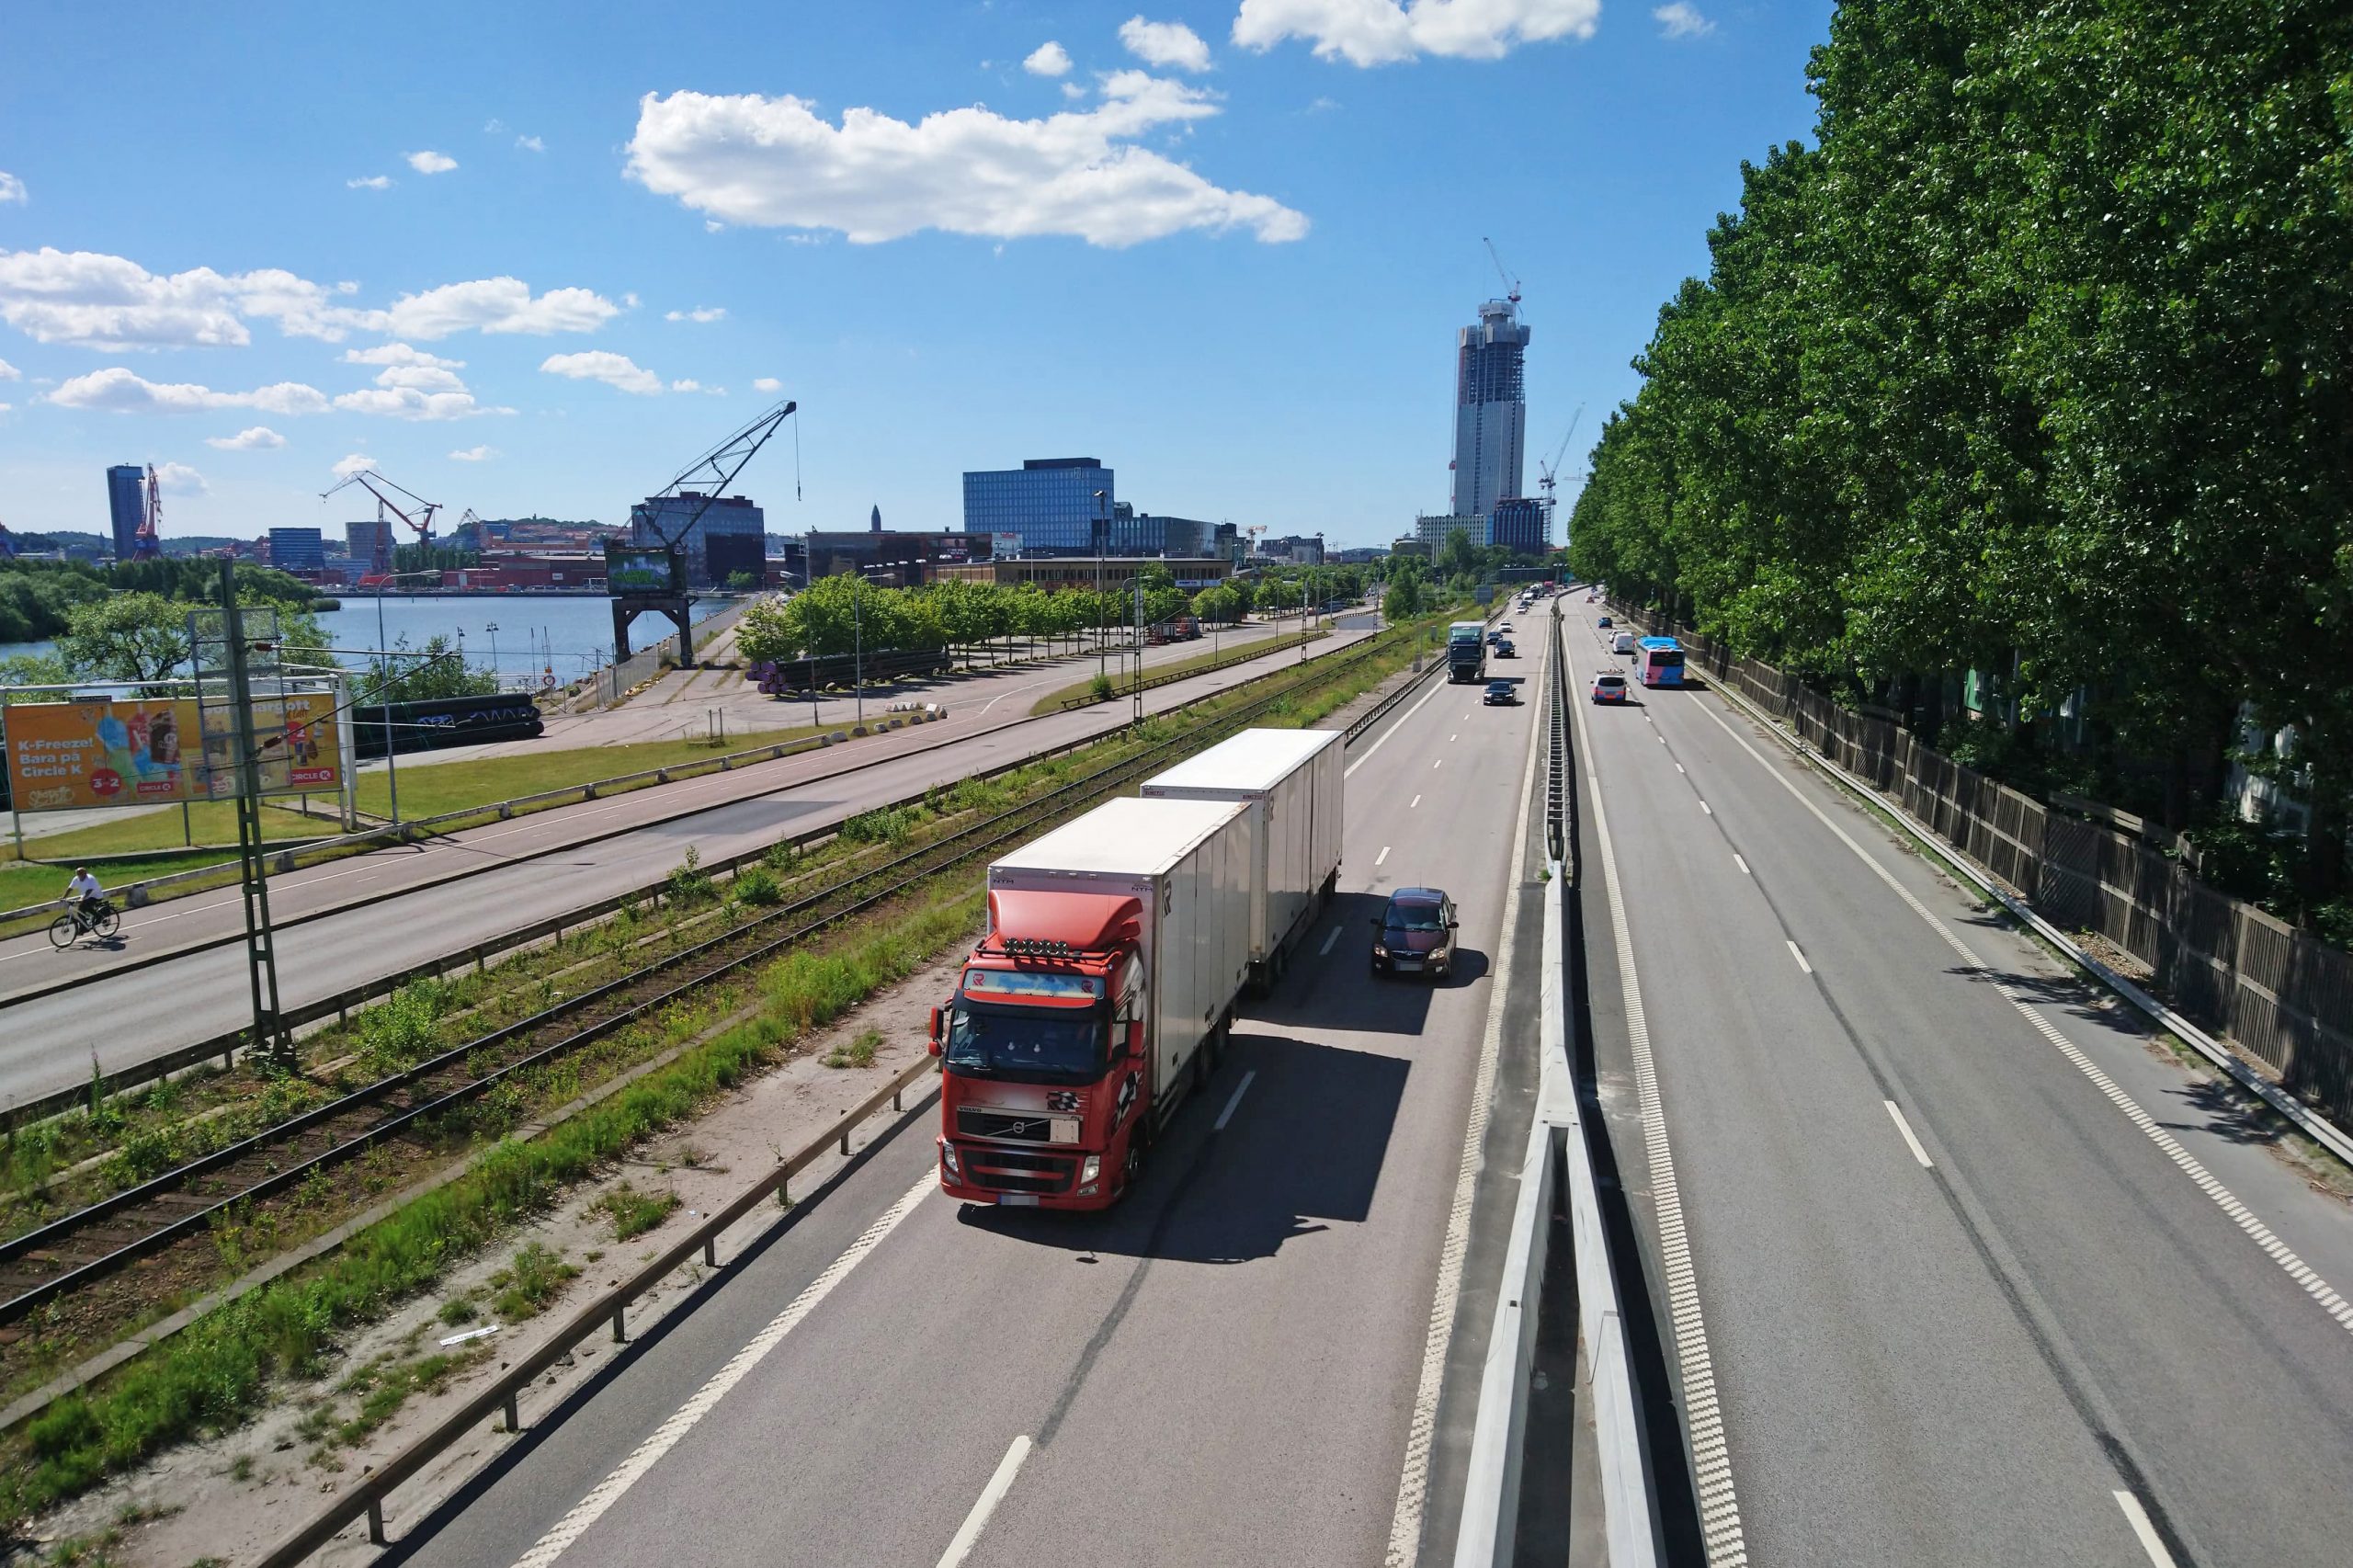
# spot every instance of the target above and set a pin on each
(78, 755)
(633, 571)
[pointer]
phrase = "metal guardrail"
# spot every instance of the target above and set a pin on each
(1558, 1155)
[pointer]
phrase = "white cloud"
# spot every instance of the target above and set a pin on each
(767, 384)
(353, 465)
(1383, 32)
(1072, 90)
(686, 386)
(430, 163)
(1323, 106)
(399, 354)
(773, 162)
(11, 188)
(118, 391)
(258, 438)
(1165, 43)
(372, 182)
(9, 372)
(701, 313)
(1682, 19)
(179, 479)
(110, 303)
(1049, 58)
(602, 364)
(475, 455)
(493, 127)
(493, 306)
(530, 144)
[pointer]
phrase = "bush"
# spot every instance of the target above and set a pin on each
(858, 1053)
(758, 885)
(1099, 689)
(690, 883)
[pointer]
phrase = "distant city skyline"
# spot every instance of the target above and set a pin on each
(545, 290)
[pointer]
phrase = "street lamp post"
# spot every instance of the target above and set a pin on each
(1102, 526)
(384, 691)
(497, 682)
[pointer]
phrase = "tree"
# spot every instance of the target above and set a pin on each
(1457, 556)
(127, 637)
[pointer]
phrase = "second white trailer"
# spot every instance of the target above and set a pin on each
(1295, 781)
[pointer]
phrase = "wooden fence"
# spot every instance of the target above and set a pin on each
(2277, 992)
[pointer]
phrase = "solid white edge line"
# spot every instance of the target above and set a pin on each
(1414, 1475)
(2138, 1517)
(2306, 1278)
(668, 1436)
(1329, 943)
(1799, 954)
(1911, 1140)
(1725, 1541)
(968, 1535)
(1240, 1089)
(1383, 858)
(1383, 739)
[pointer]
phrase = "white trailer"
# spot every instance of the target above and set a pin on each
(1187, 866)
(1294, 782)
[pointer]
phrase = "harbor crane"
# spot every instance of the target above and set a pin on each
(669, 517)
(368, 479)
(1511, 284)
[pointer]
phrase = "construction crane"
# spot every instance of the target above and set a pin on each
(369, 479)
(710, 474)
(467, 535)
(1511, 284)
(1548, 470)
(148, 542)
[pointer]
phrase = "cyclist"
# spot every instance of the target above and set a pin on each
(84, 894)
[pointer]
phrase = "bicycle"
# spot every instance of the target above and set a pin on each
(73, 925)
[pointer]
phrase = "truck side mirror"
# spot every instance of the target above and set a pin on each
(935, 1031)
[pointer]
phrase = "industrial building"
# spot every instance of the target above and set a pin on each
(1491, 410)
(126, 507)
(1051, 505)
(1113, 572)
(670, 519)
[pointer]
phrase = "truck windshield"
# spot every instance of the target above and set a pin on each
(1062, 1044)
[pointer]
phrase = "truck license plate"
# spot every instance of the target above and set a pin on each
(1018, 1199)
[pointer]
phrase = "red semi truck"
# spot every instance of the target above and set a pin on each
(1117, 946)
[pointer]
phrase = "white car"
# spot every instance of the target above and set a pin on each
(1622, 644)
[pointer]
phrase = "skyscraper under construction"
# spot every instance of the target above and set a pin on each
(1490, 409)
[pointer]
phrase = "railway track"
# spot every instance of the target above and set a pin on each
(407, 1113)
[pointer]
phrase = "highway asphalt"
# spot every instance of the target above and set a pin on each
(377, 913)
(1983, 1276)
(1225, 1368)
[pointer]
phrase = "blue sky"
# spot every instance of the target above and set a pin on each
(1237, 285)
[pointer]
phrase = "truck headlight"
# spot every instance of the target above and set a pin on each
(1090, 1168)
(948, 1161)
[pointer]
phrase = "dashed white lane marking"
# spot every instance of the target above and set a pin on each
(2280, 1252)
(1383, 858)
(1383, 739)
(1742, 864)
(1240, 1089)
(1910, 1141)
(1414, 1476)
(2138, 1517)
(1329, 943)
(1679, 769)
(1437, 761)
(1707, 808)
(1720, 1527)
(1412, 803)
(668, 1436)
(1452, 739)
(967, 1536)
(1799, 954)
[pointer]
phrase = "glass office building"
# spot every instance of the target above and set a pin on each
(126, 505)
(1048, 502)
(298, 550)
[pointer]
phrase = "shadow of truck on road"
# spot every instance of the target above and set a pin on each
(1303, 1152)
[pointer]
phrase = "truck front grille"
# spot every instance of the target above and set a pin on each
(974, 1122)
(1005, 1170)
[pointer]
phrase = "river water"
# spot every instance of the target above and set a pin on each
(535, 633)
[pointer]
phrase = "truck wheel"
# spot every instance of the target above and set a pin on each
(1131, 1168)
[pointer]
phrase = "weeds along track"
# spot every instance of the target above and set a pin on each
(164, 1225)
